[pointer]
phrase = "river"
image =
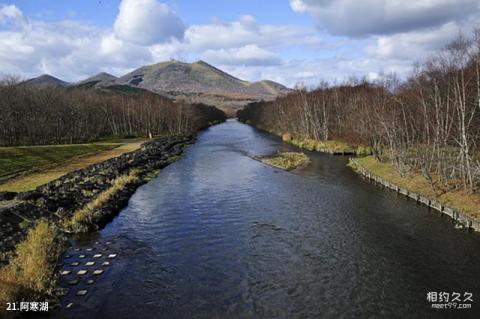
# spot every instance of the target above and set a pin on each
(220, 235)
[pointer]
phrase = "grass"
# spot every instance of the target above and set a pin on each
(82, 218)
(39, 165)
(286, 160)
(329, 146)
(463, 201)
(14, 160)
(30, 275)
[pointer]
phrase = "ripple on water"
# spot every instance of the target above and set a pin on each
(218, 234)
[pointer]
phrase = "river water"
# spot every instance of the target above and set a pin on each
(220, 235)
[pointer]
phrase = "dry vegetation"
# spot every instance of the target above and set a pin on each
(461, 200)
(286, 160)
(38, 116)
(30, 273)
(82, 218)
(428, 124)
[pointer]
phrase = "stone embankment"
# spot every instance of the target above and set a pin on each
(457, 216)
(58, 200)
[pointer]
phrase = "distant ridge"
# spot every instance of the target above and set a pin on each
(46, 80)
(100, 77)
(197, 82)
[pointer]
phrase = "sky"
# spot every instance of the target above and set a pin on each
(288, 41)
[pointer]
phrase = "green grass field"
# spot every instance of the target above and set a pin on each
(17, 160)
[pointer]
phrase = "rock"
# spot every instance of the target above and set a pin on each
(33, 195)
(7, 195)
(82, 292)
(59, 199)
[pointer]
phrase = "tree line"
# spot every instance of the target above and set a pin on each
(428, 123)
(32, 115)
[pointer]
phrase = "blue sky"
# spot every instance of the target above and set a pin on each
(103, 13)
(289, 41)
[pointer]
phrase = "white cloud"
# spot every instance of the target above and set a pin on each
(11, 15)
(70, 50)
(249, 54)
(381, 17)
(285, 53)
(245, 31)
(414, 45)
(147, 22)
(312, 72)
(73, 51)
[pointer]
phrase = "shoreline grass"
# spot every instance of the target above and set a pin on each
(30, 274)
(329, 146)
(286, 160)
(81, 220)
(462, 201)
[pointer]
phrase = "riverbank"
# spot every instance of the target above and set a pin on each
(333, 147)
(24, 168)
(461, 206)
(79, 201)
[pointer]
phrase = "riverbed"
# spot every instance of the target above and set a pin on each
(220, 235)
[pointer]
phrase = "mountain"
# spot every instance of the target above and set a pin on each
(100, 80)
(201, 82)
(46, 80)
(197, 82)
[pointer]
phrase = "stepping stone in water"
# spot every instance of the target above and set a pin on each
(73, 282)
(90, 263)
(97, 256)
(67, 256)
(89, 249)
(98, 272)
(65, 272)
(111, 256)
(81, 256)
(90, 281)
(97, 243)
(77, 249)
(105, 264)
(108, 242)
(82, 292)
(81, 272)
(69, 305)
(75, 264)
